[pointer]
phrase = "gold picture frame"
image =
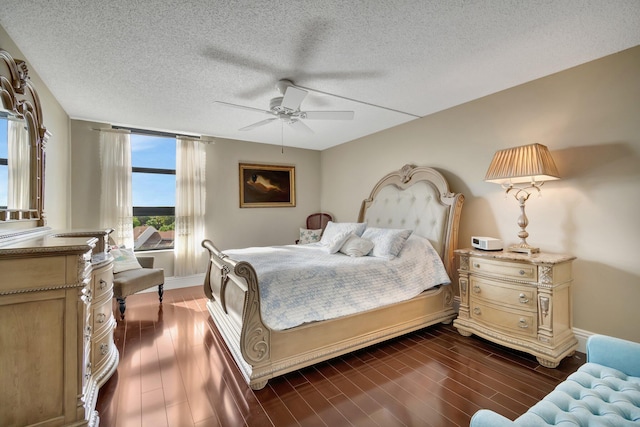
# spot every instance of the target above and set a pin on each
(267, 186)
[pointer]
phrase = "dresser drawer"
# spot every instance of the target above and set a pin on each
(504, 269)
(103, 283)
(101, 347)
(523, 323)
(101, 316)
(518, 297)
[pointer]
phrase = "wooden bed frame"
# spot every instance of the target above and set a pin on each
(413, 197)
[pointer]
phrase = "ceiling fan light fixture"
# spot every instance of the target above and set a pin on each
(287, 108)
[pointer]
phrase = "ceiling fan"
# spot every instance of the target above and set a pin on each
(287, 109)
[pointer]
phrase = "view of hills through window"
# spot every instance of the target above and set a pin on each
(153, 185)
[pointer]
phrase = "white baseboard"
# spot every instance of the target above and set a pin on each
(582, 337)
(179, 282)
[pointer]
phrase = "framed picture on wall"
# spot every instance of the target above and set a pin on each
(267, 186)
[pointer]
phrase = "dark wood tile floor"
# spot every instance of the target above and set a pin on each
(175, 370)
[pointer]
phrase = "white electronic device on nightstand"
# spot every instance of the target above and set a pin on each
(486, 243)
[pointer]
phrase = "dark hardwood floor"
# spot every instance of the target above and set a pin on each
(175, 370)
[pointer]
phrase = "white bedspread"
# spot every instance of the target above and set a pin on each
(303, 283)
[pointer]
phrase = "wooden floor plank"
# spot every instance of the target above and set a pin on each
(176, 370)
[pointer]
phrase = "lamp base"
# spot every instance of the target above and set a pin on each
(523, 248)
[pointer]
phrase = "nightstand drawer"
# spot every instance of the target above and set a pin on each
(518, 297)
(514, 321)
(504, 269)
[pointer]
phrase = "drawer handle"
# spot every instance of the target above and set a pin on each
(522, 272)
(87, 333)
(101, 317)
(103, 284)
(476, 310)
(104, 348)
(476, 289)
(522, 324)
(87, 372)
(86, 295)
(523, 299)
(476, 265)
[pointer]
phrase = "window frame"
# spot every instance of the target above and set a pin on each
(148, 211)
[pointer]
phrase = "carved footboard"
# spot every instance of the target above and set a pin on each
(234, 304)
(262, 353)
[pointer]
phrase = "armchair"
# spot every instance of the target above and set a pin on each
(129, 282)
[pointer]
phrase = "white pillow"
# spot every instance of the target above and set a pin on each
(356, 246)
(124, 259)
(309, 236)
(335, 228)
(387, 242)
(336, 242)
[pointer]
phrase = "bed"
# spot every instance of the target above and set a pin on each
(412, 198)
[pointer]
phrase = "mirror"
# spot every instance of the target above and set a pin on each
(22, 139)
(15, 163)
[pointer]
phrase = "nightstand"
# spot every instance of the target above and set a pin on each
(519, 301)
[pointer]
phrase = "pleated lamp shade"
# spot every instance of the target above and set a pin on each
(527, 163)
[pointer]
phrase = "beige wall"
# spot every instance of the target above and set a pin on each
(56, 194)
(226, 224)
(231, 227)
(589, 117)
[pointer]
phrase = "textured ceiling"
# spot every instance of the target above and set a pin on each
(161, 64)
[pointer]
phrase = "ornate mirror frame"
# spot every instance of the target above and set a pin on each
(20, 99)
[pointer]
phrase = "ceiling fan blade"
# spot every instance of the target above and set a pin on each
(300, 126)
(242, 107)
(293, 98)
(258, 124)
(329, 115)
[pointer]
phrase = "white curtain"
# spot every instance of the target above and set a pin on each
(19, 162)
(190, 199)
(116, 208)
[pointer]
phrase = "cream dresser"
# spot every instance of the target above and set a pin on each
(56, 328)
(519, 301)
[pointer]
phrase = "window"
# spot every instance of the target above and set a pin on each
(153, 187)
(4, 164)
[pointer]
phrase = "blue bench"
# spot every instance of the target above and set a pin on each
(605, 391)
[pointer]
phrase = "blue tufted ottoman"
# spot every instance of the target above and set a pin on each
(605, 391)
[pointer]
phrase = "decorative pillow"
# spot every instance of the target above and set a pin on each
(337, 241)
(387, 242)
(335, 228)
(124, 259)
(309, 236)
(356, 246)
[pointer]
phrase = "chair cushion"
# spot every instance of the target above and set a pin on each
(131, 281)
(595, 395)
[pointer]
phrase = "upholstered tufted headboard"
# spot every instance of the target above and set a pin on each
(417, 198)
